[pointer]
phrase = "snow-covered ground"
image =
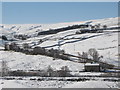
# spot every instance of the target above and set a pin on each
(20, 61)
(34, 28)
(93, 84)
(57, 84)
(11, 84)
(105, 43)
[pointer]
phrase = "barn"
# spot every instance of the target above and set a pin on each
(92, 67)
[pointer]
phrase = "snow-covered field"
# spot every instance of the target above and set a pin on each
(105, 43)
(36, 83)
(20, 61)
(93, 84)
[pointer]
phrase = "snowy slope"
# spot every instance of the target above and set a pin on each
(92, 84)
(105, 43)
(11, 84)
(19, 61)
(34, 28)
(58, 84)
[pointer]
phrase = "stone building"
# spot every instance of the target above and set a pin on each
(92, 67)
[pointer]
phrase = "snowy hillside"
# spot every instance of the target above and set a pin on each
(34, 28)
(19, 61)
(105, 43)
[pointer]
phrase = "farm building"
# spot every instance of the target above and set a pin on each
(92, 67)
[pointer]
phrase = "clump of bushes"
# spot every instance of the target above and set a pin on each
(50, 72)
(21, 36)
(4, 37)
(54, 31)
(55, 53)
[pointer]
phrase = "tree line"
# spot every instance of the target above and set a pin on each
(54, 31)
(49, 72)
(55, 53)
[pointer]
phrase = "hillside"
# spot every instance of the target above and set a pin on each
(106, 43)
(71, 38)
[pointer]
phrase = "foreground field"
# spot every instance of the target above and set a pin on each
(55, 82)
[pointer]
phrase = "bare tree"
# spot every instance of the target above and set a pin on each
(94, 54)
(6, 46)
(84, 55)
(4, 68)
(65, 71)
(50, 71)
(104, 26)
(92, 27)
(80, 55)
(12, 46)
(26, 46)
(97, 26)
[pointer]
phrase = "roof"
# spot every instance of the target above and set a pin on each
(92, 64)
